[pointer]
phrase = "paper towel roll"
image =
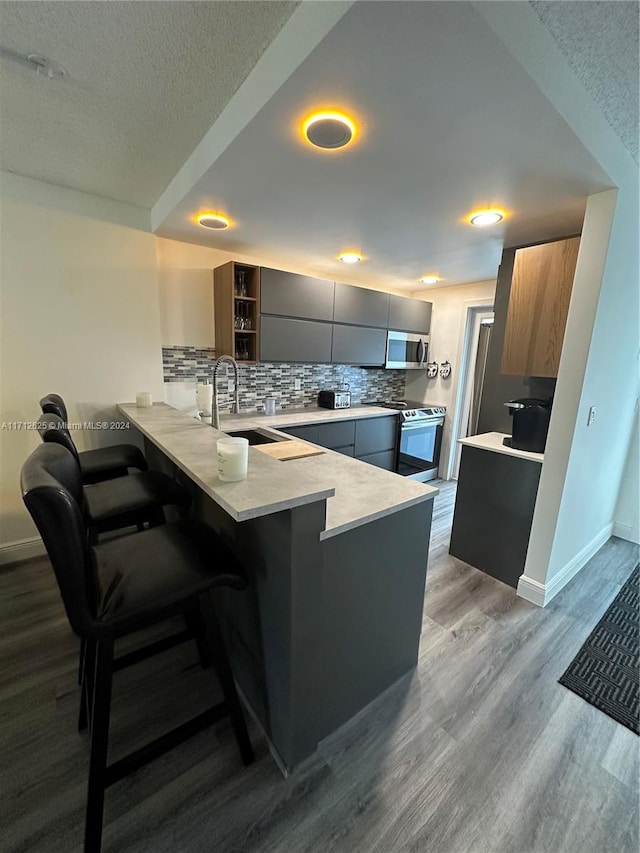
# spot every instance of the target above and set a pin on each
(204, 397)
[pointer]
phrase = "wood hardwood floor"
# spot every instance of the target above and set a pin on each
(478, 750)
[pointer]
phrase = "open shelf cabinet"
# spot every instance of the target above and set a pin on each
(236, 306)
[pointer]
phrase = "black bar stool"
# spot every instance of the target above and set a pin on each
(120, 502)
(104, 463)
(119, 587)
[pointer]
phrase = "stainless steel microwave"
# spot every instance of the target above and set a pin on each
(406, 351)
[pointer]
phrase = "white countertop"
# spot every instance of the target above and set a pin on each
(356, 492)
(298, 417)
(493, 441)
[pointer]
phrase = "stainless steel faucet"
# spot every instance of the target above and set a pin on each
(224, 359)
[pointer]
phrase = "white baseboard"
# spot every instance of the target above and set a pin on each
(24, 549)
(542, 593)
(626, 531)
(531, 590)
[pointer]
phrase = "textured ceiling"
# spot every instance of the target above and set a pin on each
(146, 80)
(600, 43)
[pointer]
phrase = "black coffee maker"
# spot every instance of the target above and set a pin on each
(530, 423)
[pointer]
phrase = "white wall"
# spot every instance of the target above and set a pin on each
(80, 316)
(448, 320)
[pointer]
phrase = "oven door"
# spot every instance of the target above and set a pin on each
(419, 451)
(406, 351)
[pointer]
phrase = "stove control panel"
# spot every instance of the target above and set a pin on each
(424, 413)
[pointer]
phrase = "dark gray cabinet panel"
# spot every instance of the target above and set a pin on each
(291, 295)
(409, 315)
(339, 434)
(385, 460)
(306, 433)
(495, 499)
(373, 435)
(357, 345)
(282, 339)
(360, 306)
(346, 451)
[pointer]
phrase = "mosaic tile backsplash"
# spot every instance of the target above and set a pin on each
(257, 381)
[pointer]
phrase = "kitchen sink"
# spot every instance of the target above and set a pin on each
(254, 436)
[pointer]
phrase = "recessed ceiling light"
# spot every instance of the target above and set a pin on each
(213, 220)
(350, 258)
(486, 217)
(329, 129)
(430, 279)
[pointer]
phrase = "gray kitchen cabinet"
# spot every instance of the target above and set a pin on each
(338, 434)
(285, 339)
(374, 435)
(386, 459)
(307, 432)
(359, 306)
(349, 450)
(290, 295)
(409, 315)
(358, 345)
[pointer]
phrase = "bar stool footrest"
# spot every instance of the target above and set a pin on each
(150, 751)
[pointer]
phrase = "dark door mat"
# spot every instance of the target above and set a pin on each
(605, 670)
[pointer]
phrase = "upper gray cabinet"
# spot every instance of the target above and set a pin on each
(357, 345)
(409, 315)
(288, 339)
(360, 307)
(290, 295)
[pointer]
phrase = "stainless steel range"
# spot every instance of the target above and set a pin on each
(420, 438)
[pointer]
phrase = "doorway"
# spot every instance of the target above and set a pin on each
(478, 329)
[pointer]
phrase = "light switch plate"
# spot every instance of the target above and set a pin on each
(297, 385)
(592, 415)
(230, 385)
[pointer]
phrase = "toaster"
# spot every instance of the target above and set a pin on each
(334, 399)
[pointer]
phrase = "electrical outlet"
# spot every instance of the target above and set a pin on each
(592, 415)
(230, 385)
(297, 385)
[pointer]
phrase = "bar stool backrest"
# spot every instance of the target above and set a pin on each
(53, 404)
(53, 428)
(50, 482)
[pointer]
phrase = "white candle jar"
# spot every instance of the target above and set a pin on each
(144, 400)
(233, 459)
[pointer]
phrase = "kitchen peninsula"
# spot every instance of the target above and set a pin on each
(336, 554)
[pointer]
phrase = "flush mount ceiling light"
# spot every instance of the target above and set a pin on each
(44, 67)
(329, 129)
(430, 279)
(213, 220)
(350, 258)
(486, 217)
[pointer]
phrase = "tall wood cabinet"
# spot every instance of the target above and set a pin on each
(236, 297)
(538, 306)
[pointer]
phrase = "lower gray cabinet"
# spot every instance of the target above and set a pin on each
(346, 451)
(371, 440)
(338, 434)
(374, 435)
(358, 345)
(386, 459)
(306, 433)
(283, 339)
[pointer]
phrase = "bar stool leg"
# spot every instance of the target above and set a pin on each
(218, 654)
(194, 624)
(83, 650)
(99, 745)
